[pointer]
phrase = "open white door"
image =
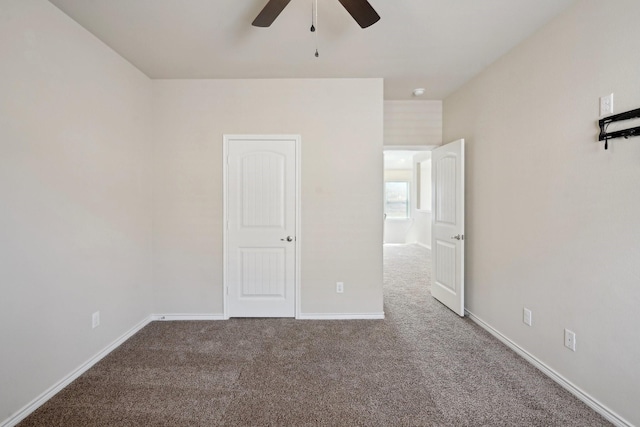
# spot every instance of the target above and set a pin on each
(447, 225)
(261, 206)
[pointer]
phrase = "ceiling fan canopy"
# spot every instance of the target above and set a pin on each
(360, 10)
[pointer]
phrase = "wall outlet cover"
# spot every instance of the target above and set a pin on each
(527, 316)
(95, 320)
(606, 105)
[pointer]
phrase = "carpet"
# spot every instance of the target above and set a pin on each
(421, 366)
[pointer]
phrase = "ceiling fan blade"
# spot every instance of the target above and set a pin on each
(270, 12)
(362, 12)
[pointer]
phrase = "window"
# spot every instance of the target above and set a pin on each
(396, 199)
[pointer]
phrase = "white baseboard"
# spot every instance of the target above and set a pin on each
(424, 245)
(53, 390)
(555, 376)
(176, 316)
(340, 316)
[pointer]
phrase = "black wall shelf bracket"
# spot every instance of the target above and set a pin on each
(625, 133)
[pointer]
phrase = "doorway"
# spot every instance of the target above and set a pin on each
(445, 167)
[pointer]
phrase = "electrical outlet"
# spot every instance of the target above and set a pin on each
(606, 105)
(95, 320)
(339, 287)
(527, 316)
(570, 340)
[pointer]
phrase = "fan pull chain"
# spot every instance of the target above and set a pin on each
(314, 23)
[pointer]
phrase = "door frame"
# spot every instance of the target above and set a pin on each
(226, 139)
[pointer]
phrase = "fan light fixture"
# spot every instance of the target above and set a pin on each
(360, 10)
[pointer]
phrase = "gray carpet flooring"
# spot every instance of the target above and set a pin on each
(421, 366)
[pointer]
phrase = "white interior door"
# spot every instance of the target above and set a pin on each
(447, 238)
(261, 226)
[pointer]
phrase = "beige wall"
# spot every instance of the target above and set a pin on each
(553, 220)
(412, 123)
(75, 198)
(340, 122)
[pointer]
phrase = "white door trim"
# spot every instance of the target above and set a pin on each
(225, 219)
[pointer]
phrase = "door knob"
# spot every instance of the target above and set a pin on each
(458, 237)
(288, 239)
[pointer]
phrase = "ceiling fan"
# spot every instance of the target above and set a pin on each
(360, 10)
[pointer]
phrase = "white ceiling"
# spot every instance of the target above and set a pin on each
(435, 44)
